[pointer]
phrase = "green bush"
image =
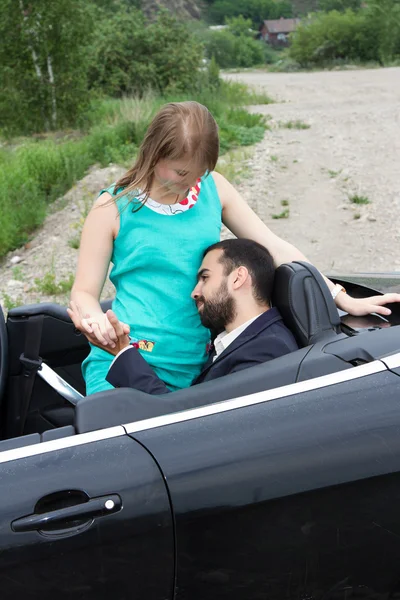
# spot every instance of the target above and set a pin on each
(332, 37)
(383, 17)
(372, 34)
(232, 51)
(239, 26)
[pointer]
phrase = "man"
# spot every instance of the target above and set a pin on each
(233, 297)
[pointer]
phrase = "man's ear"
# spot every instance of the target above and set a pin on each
(241, 276)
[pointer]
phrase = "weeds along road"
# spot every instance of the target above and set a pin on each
(334, 185)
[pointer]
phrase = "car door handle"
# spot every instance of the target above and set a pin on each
(96, 507)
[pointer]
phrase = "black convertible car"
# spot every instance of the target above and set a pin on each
(278, 482)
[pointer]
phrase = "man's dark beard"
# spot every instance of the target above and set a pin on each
(219, 311)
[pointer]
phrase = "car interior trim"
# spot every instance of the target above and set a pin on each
(259, 397)
(61, 444)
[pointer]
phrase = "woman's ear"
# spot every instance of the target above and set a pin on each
(240, 277)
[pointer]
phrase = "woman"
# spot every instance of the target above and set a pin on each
(154, 225)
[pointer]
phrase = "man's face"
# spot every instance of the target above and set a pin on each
(214, 302)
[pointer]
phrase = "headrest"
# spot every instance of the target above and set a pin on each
(305, 303)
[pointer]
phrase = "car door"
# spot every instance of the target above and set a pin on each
(84, 517)
(291, 493)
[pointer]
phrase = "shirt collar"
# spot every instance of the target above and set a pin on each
(223, 340)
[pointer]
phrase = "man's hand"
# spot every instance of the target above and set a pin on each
(84, 322)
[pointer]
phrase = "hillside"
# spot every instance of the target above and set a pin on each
(187, 9)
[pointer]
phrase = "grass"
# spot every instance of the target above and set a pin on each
(9, 303)
(284, 202)
(274, 158)
(332, 174)
(234, 164)
(18, 273)
(295, 125)
(357, 199)
(74, 242)
(37, 172)
(282, 215)
(50, 287)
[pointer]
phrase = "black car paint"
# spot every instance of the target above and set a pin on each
(126, 554)
(292, 498)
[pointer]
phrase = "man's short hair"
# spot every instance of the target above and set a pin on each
(257, 260)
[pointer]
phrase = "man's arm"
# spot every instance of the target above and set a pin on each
(131, 370)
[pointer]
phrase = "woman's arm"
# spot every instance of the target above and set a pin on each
(98, 234)
(242, 221)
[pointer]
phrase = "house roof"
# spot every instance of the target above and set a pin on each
(281, 25)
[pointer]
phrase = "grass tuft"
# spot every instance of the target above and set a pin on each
(75, 242)
(295, 125)
(282, 215)
(49, 287)
(357, 199)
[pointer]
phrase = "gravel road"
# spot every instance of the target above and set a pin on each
(351, 148)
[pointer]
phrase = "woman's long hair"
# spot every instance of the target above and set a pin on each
(179, 130)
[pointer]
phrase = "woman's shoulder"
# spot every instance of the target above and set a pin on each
(106, 201)
(111, 190)
(224, 188)
(218, 178)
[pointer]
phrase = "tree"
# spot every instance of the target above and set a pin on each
(339, 5)
(239, 26)
(235, 46)
(130, 55)
(255, 10)
(43, 63)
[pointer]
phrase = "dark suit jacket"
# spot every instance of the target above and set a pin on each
(264, 339)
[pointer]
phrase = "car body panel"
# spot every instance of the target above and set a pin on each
(295, 497)
(104, 557)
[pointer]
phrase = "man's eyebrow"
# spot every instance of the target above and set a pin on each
(201, 273)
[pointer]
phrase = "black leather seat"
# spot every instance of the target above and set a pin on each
(305, 303)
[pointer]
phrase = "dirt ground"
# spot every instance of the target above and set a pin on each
(352, 147)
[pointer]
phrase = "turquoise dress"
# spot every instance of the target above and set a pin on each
(155, 261)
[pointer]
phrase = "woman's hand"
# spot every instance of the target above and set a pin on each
(99, 327)
(117, 331)
(366, 306)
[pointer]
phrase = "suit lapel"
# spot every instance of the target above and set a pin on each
(262, 322)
